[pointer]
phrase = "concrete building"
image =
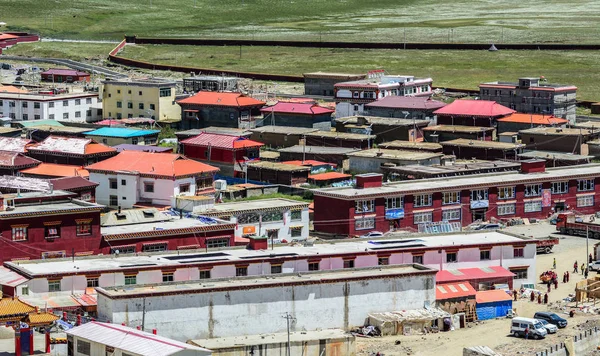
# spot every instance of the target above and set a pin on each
(150, 97)
(337, 155)
(280, 136)
(556, 159)
(70, 150)
(411, 146)
(529, 95)
(487, 150)
(73, 107)
(386, 129)
(113, 136)
(278, 219)
(278, 173)
(13, 162)
(519, 121)
(534, 192)
(339, 139)
(309, 115)
(206, 109)
(101, 339)
(442, 133)
(351, 97)
(41, 132)
(375, 159)
(327, 342)
(322, 83)
(61, 75)
(483, 113)
(405, 107)
(182, 135)
(567, 140)
(228, 152)
(15, 144)
(316, 300)
(458, 168)
(54, 170)
(210, 83)
(133, 177)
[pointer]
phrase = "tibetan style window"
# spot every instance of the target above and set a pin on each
(241, 271)
(148, 187)
(204, 274)
(53, 231)
(272, 216)
(450, 214)
(168, 277)
(214, 243)
(422, 200)
(586, 200)
(394, 203)
(484, 255)
(130, 279)
(518, 252)
(19, 233)
(84, 227)
(532, 206)
(364, 223)
(560, 187)
(422, 217)
(383, 261)
(154, 247)
(585, 185)
(364, 206)
(92, 282)
(506, 209)
(54, 285)
(506, 192)
(417, 259)
(296, 215)
(450, 198)
(313, 266)
(479, 194)
(451, 257)
(533, 190)
(249, 218)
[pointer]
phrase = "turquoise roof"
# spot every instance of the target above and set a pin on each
(35, 123)
(120, 132)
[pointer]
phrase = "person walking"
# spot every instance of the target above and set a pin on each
(546, 298)
(554, 263)
(586, 273)
(526, 332)
(555, 284)
(515, 295)
(582, 267)
(532, 296)
(591, 259)
(540, 298)
(549, 286)
(565, 277)
(568, 276)
(575, 270)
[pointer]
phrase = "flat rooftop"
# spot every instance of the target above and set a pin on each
(319, 150)
(278, 166)
(457, 167)
(395, 154)
(462, 182)
(277, 338)
(253, 205)
(50, 208)
(376, 120)
(340, 135)
(554, 131)
(266, 281)
(458, 128)
(171, 224)
(215, 130)
(541, 85)
(174, 259)
(463, 142)
(283, 130)
(411, 145)
(592, 125)
(333, 75)
(554, 155)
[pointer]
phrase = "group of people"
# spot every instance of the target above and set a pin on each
(584, 269)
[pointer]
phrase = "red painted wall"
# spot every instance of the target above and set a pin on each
(201, 153)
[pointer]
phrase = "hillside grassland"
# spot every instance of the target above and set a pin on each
(457, 69)
(482, 21)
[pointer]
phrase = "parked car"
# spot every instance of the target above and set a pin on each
(536, 329)
(372, 234)
(552, 318)
(489, 227)
(551, 328)
(594, 266)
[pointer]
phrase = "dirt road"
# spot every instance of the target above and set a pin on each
(495, 333)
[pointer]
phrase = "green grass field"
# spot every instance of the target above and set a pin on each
(458, 69)
(483, 21)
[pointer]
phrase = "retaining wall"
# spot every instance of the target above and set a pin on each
(579, 345)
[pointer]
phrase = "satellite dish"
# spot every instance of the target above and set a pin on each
(493, 48)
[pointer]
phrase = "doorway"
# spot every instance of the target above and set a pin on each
(479, 214)
(559, 206)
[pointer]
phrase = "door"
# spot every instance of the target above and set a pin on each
(559, 206)
(479, 214)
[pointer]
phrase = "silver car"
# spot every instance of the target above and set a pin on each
(551, 328)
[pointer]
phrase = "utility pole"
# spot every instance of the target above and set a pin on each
(303, 148)
(288, 317)
(143, 313)
(405, 38)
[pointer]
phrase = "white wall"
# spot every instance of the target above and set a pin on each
(259, 310)
(285, 232)
(45, 111)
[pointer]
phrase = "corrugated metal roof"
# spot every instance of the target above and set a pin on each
(16, 159)
(297, 108)
(35, 123)
(407, 102)
(14, 144)
(221, 141)
(490, 296)
(132, 341)
(121, 132)
(466, 274)
(9, 278)
(73, 145)
(477, 108)
(454, 290)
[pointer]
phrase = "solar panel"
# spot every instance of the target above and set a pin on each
(463, 287)
(487, 270)
(453, 288)
(455, 272)
(441, 289)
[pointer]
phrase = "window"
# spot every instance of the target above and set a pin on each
(368, 95)
(533, 190)
(484, 255)
(506, 209)
(24, 104)
(313, 266)
(51, 116)
(356, 108)
(422, 200)
(296, 232)
(88, 100)
(296, 215)
(364, 206)
(141, 106)
(531, 206)
(452, 214)
(36, 117)
(77, 101)
(25, 291)
(25, 117)
(92, 282)
(77, 113)
(54, 285)
(418, 259)
(204, 274)
(154, 247)
(394, 203)
(140, 92)
(123, 182)
(383, 261)
(275, 269)
(112, 183)
(65, 115)
(272, 216)
(450, 198)
(167, 277)
(130, 279)
(165, 92)
(355, 94)
(586, 200)
(83, 347)
(53, 232)
(214, 243)
(241, 271)
(119, 104)
(584, 185)
(113, 200)
(118, 91)
(506, 192)
(560, 187)
(248, 218)
(348, 263)
(19, 233)
(148, 187)
(152, 107)
(518, 252)
(50, 105)
(122, 249)
(65, 103)
(520, 273)
(451, 257)
(422, 217)
(1, 103)
(129, 105)
(364, 223)
(12, 104)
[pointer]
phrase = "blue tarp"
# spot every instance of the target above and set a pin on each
(493, 310)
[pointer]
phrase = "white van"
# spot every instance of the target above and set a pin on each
(536, 329)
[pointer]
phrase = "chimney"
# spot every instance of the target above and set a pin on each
(533, 166)
(258, 243)
(369, 180)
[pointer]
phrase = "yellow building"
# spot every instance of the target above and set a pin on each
(153, 98)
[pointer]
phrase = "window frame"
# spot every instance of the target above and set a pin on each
(505, 190)
(532, 206)
(585, 201)
(452, 213)
(588, 185)
(502, 206)
(419, 214)
(364, 206)
(54, 285)
(451, 198)
(485, 255)
(130, 279)
(533, 190)
(422, 200)
(557, 185)
(452, 257)
(518, 252)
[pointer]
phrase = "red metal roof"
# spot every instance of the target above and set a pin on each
(56, 170)
(6, 36)
(229, 142)
(535, 119)
(73, 145)
(65, 72)
(490, 296)
(407, 102)
(66, 183)
(470, 108)
(310, 162)
(467, 274)
(454, 290)
(15, 159)
(221, 99)
(297, 108)
(159, 164)
(328, 176)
